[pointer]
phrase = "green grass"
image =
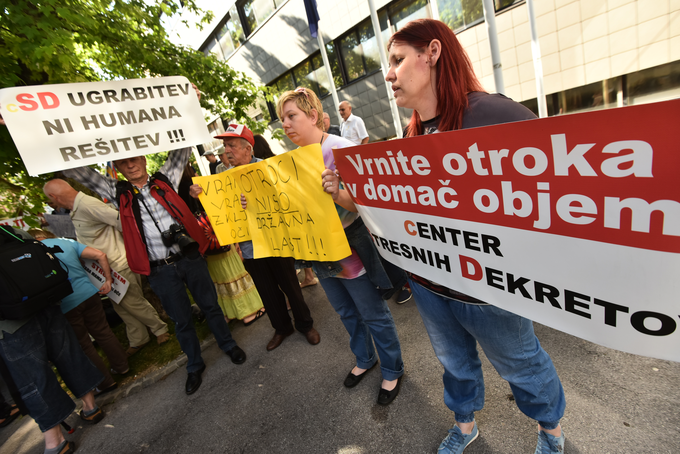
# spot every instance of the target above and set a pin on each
(153, 356)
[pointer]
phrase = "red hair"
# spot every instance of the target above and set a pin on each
(455, 76)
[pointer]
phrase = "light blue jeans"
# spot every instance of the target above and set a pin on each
(509, 342)
(367, 319)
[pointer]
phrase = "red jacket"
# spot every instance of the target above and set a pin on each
(134, 237)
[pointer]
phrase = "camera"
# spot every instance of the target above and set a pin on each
(177, 234)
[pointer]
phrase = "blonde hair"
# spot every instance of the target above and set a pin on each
(40, 233)
(306, 100)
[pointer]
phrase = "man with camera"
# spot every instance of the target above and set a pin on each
(164, 242)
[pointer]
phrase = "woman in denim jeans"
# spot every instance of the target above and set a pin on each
(353, 295)
(431, 74)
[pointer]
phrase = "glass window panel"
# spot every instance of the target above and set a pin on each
(459, 14)
(369, 44)
(249, 13)
(235, 28)
(225, 41)
(654, 84)
(351, 53)
(321, 76)
(406, 11)
(213, 48)
(257, 11)
(473, 11)
(501, 4)
(335, 66)
(588, 97)
(304, 76)
(283, 83)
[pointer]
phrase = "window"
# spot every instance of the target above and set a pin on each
(359, 48)
(214, 48)
(234, 27)
(255, 12)
(406, 11)
(654, 84)
(460, 14)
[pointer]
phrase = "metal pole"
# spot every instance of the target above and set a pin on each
(383, 65)
(538, 64)
(490, 19)
(324, 56)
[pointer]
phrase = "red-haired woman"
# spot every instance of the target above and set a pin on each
(431, 74)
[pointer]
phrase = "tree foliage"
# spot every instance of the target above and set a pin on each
(65, 41)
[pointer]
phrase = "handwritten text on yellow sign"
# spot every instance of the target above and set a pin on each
(288, 213)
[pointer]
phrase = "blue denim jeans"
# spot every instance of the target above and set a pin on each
(45, 338)
(383, 274)
(367, 319)
(509, 343)
(168, 282)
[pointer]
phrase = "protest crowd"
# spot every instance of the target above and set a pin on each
(152, 228)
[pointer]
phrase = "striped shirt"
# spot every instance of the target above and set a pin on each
(156, 219)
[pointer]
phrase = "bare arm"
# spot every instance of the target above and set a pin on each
(97, 255)
(364, 140)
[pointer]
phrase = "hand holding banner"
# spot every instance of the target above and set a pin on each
(221, 199)
(288, 213)
(63, 126)
(572, 221)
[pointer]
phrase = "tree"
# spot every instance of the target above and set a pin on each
(65, 41)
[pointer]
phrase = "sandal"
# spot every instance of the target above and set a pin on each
(259, 314)
(313, 282)
(11, 416)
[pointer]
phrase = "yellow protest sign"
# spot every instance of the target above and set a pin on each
(288, 211)
(221, 199)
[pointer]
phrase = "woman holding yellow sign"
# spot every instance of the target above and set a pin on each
(354, 297)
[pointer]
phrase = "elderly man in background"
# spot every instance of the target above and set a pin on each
(164, 242)
(212, 160)
(273, 276)
(98, 226)
(328, 127)
(353, 127)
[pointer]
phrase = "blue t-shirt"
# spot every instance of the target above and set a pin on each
(82, 287)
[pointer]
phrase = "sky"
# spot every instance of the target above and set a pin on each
(192, 37)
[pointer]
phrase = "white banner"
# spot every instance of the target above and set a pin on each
(586, 288)
(572, 221)
(96, 274)
(63, 126)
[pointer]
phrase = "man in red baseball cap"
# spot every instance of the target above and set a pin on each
(273, 276)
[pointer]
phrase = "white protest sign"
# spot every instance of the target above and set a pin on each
(64, 126)
(119, 285)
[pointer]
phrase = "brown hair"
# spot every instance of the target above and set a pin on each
(306, 100)
(455, 76)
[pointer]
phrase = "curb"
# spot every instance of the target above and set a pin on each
(149, 379)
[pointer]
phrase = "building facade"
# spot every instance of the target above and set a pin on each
(595, 53)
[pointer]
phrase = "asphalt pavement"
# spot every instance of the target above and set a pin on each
(292, 400)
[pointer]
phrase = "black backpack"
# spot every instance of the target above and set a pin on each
(31, 277)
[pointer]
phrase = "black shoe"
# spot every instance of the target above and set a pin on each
(352, 380)
(404, 295)
(237, 355)
(194, 380)
(386, 397)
